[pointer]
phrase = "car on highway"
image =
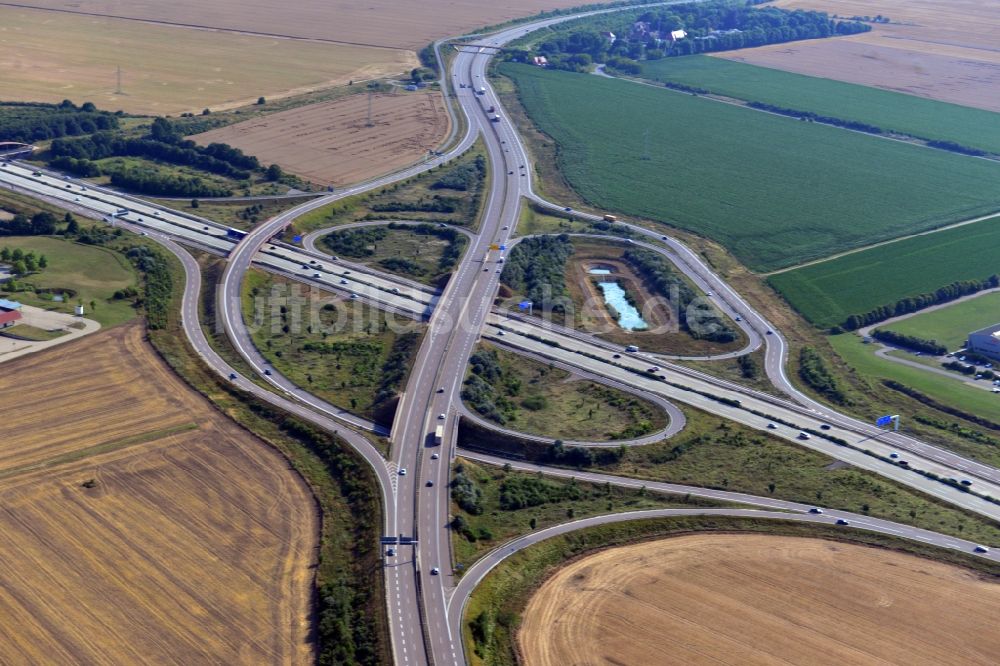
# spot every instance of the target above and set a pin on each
(770, 332)
(824, 426)
(739, 318)
(771, 426)
(841, 521)
(617, 356)
(435, 571)
(267, 372)
(816, 509)
(981, 549)
(663, 238)
(430, 484)
(893, 455)
(966, 482)
(803, 435)
(316, 275)
(335, 257)
(510, 173)
(434, 456)
(343, 281)
(391, 552)
(501, 333)
(402, 471)
(568, 209)
(441, 417)
(354, 297)
(440, 389)
(232, 375)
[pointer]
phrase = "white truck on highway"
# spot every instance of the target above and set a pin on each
(438, 435)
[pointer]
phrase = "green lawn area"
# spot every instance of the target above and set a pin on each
(512, 503)
(908, 114)
(341, 350)
(951, 325)
(423, 253)
(827, 293)
(237, 214)
(773, 190)
(26, 332)
(862, 358)
(92, 273)
(538, 399)
(715, 453)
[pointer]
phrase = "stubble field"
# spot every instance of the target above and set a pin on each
(391, 23)
(940, 50)
(331, 142)
(52, 56)
(138, 524)
(757, 599)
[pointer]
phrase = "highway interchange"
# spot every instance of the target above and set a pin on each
(424, 608)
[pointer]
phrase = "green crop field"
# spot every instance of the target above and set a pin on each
(916, 116)
(829, 292)
(951, 325)
(773, 190)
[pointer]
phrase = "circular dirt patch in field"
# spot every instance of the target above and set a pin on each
(757, 599)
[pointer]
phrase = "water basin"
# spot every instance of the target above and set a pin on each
(628, 316)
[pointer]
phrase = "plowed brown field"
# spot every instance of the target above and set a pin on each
(752, 600)
(139, 525)
(941, 50)
(331, 142)
(392, 23)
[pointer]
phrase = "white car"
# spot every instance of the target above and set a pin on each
(441, 417)
(402, 471)
(435, 571)
(354, 296)
(434, 456)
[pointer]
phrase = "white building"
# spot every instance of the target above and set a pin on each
(985, 341)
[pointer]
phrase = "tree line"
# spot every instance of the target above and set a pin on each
(658, 271)
(913, 303)
(29, 122)
(910, 342)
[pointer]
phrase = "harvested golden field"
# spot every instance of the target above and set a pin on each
(944, 51)
(331, 143)
(152, 529)
(52, 56)
(391, 23)
(752, 600)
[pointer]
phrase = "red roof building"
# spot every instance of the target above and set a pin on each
(8, 318)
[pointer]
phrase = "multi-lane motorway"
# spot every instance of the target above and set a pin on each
(424, 601)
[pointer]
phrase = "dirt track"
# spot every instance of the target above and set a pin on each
(753, 599)
(193, 544)
(331, 142)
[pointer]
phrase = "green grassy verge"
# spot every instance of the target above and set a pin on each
(951, 325)
(525, 395)
(85, 273)
(343, 351)
(775, 191)
(827, 293)
(500, 599)
(236, 214)
(862, 358)
(349, 619)
(27, 332)
(425, 253)
(891, 111)
(499, 504)
(714, 453)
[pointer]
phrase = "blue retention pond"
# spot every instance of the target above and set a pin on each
(628, 316)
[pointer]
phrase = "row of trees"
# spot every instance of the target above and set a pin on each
(814, 372)
(910, 342)
(39, 224)
(106, 144)
(21, 262)
(913, 303)
(25, 123)
(147, 181)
